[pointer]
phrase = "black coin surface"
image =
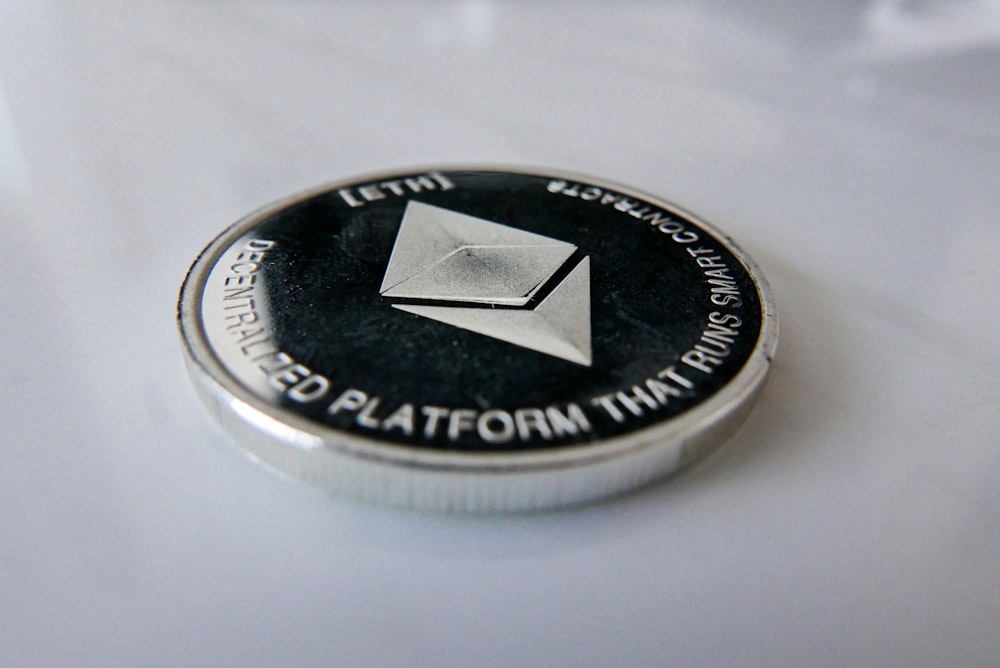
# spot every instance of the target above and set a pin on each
(477, 338)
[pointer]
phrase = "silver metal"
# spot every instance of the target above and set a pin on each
(396, 474)
(446, 256)
(450, 256)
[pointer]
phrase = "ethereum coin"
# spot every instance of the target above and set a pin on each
(476, 339)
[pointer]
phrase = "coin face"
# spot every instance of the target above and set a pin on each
(476, 339)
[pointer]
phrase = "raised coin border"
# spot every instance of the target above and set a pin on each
(399, 475)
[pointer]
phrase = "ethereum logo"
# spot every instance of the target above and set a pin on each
(491, 279)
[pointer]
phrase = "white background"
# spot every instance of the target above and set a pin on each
(853, 149)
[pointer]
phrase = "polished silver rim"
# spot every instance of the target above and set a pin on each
(400, 475)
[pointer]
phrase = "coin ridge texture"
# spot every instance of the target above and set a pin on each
(476, 339)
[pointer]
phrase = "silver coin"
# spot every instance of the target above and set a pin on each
(476, 339)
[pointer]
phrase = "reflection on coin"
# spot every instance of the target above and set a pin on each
(476, 339)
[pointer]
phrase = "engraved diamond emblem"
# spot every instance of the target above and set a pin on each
(491, 279)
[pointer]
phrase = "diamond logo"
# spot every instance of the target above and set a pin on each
(491, 279)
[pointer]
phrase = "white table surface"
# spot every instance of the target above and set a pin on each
(853, 148)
